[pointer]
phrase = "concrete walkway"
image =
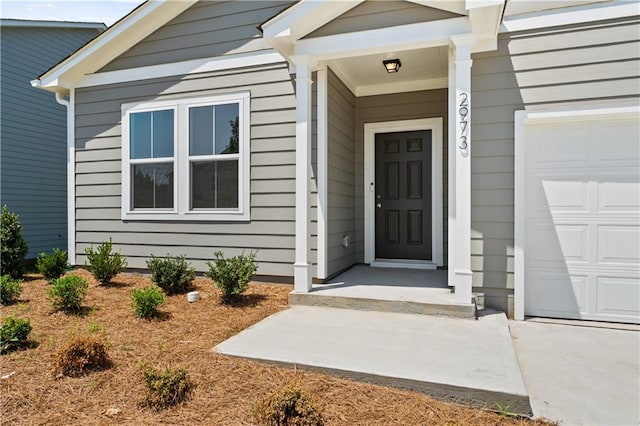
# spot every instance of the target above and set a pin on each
(457, 359)
(580, 375)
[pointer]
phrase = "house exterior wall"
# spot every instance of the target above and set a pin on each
(380, 14)
(341, 175)
(574, 67)
(399, 106)
(33, 150)
(206, 29)
(98, 173)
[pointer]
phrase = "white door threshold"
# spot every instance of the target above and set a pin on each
(404, 264)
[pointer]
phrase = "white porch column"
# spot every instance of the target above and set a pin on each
(460, 166)
(302, 265)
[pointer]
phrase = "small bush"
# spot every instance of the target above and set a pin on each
(232, 275)
(166, 388)
(172, 274)
(53, 265)
(10, 289)
(103, 264)
(81, 355)
(287, 406)
(146, 301)
(13, 248)
(13, 333)
(67, 293)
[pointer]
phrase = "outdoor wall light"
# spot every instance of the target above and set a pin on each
(392, 65)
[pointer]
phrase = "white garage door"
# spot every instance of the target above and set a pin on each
(582, 218)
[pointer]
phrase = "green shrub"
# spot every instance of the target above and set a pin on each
(146, 301)
(53, 265)
(13, 333)
(13, 248)
(172, 274)
(232, 275)
(166, 388)
(287, 406)
(103, 264)
(81, 355)
(10, 289)
(67, 293)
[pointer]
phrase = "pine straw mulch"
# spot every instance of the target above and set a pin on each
(226, 389)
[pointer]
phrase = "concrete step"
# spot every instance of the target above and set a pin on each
(404, 300)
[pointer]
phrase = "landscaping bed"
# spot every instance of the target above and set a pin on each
(225, 390)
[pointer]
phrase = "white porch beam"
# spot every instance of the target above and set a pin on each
(383, 40)
(302, 266)
(460, 275)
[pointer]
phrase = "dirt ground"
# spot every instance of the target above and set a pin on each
(226, 389)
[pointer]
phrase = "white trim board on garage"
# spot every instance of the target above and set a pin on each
(577, 214)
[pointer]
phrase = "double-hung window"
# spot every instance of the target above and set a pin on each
(186, 159)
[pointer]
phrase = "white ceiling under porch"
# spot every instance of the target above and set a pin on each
(421, 69)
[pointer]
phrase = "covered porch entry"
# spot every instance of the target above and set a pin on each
(383, 142)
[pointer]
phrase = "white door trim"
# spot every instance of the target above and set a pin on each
(521, 119)
(437, 225)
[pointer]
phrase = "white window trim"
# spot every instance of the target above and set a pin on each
(182, 185)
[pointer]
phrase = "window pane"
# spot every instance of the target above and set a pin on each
(140, 135)
(213, 127)
(151, 134)
(227, 129)
(162, 133)
(152, 186)
(214, 185)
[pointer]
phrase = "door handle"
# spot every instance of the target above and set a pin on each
(379, 205)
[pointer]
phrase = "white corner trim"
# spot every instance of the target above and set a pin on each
(71, 176)
(182, 68)
(521, 120)
(370, 131)
(575, 15)
(403, 86)
(322, 178)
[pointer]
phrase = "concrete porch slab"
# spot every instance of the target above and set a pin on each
(454, 359)
(387, 290)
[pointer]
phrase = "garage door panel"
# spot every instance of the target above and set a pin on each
(559, 294)
(618, 296)
(558, 243)
(549, 193)
(554, 148)
(618, 150)
(618, 192)
(619, 244)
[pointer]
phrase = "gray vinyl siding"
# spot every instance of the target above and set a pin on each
(206, 29)
(98, 173)
(33, 161)
(341, 177)
(577, 67)
(400, 106)
(372, 15)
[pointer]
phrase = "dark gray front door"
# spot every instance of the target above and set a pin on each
(403, 195)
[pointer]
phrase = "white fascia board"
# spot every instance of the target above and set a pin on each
(477, 4)
(397, 38)
(453, 6)
(485, 21)
(23, 23)
(115, 41)
(182, 68)
(574, 15)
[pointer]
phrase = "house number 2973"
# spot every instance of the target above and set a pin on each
(463, 115)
